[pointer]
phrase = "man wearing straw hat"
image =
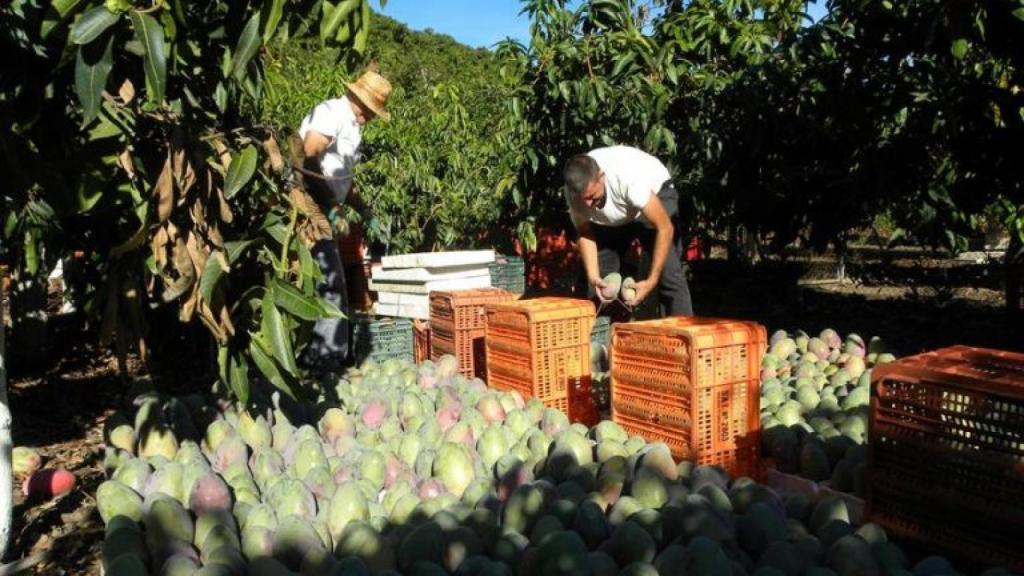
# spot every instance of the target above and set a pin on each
(331, 136)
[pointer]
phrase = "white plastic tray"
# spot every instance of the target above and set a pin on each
(426, 288)
(377, 272)
(438, 259)
(398, 298)
(421, 312)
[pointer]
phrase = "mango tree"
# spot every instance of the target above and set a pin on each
(134, 133)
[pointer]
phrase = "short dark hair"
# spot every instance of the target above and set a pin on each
(579, 171)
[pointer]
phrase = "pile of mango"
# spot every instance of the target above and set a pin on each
(406, 469)
(815, 393)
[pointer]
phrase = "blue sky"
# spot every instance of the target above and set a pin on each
(479, 23)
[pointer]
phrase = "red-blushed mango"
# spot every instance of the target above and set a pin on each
(210, 493)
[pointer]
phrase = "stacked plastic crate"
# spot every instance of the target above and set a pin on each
(541, 349)
(946, 452)
(457, 326)
(380, 339)
(691, 383)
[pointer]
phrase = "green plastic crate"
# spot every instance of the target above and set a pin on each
(381, 338)
(601, 331)
(509, 273)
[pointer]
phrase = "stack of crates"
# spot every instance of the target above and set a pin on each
(946, 453)
(457, 323)
(421, 340)
(691, 383)
(381, 338)
(541, 349)
(508, 273)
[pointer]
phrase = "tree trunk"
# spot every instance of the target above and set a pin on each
(6, 472)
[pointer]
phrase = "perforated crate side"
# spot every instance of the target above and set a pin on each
(509, 273)
(381, 338)
(560, 377)
(946, 452)
(466, 345)
(465, 308)
(421, 341)
(696, 377)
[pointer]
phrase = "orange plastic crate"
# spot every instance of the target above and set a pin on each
(457, 325)
(946, 452)
(692, 383)
(541, 349)
(420, 340)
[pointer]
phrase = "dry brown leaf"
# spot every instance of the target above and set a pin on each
(297, 150)
(184, 175)
(164, 191)
(159, 246)
(198, 213)
(124, 160)
(206, 315)
(182, 260)
(273, 154)
(225, 209)
(189, 306)
(197, 252)
(126, 91)
(223, 152)
(214, 236)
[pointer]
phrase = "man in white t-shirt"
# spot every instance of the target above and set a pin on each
(331, 136)
(616, 195)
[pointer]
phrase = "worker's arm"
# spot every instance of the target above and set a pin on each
(588, 254)
(655, 213)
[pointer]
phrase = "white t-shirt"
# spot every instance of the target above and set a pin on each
(335, 120)
(632, 176)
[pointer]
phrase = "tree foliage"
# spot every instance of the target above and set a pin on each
(134, 138)
(442, 173)
(793, 130)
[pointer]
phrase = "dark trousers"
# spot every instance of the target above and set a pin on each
(613, 242)
(329, 349)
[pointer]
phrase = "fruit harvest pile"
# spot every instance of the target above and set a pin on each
(815, 394)
(417, 470)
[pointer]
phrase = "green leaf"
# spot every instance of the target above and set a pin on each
(238, 377)
(248, 43)
(269, 369)
(1019, 13)
(273, 330)
(959, 48)
(212, 274)
(334, 16)
(234, 373)
(295, 302)
(55, 14)
(91, 73)
(150, 34)
(93, 23)
(243, 166)
(235, 249)
(363, 34)
(31, 253)
(272, 10)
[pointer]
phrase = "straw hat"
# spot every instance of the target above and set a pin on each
(373, 90)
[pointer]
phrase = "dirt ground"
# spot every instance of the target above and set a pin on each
(60, 408)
